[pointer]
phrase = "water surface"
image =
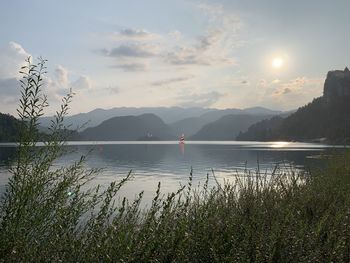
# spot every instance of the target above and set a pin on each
(170, 163)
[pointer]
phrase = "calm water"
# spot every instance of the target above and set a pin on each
(171, 163)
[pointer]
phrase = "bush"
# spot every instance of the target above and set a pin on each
(49, 214)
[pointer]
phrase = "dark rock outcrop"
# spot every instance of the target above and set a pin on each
(337, 84)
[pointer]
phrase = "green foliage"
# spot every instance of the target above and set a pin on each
(8, 128)
(49, 214)
(265, 130)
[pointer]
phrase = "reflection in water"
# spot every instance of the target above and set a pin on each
(168, 163)
(280, 144)
(182, 148)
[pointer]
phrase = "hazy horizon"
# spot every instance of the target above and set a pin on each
(185, 108)
(211, 54)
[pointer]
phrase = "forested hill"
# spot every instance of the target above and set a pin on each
(325, 118)
(227, 127)
(8, 128)
(124, 128)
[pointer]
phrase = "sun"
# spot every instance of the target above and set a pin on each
(277, 62)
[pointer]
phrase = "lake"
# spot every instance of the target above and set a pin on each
(170, 163)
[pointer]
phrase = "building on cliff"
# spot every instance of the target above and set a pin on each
(337, 84)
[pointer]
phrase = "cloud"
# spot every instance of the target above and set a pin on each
(275, 81)
(211, 49)
(131, 67)
(12, 57)
(206, 51)
(171, 80)
(209, 40)
(235, 81)
(82, 83)
(215, 46)
(298, 86)
(63, 81)
(263, 83)
(175, 35)
(287, 94)
(219, 16)
(133, 50)
(199, 99)
(62, 76)
(113, 90)
(185, 56)
(134, 33)
(286, 91)
(60, 84)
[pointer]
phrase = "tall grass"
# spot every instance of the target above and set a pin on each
(46, 216)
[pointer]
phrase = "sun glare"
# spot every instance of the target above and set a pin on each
(277, 62)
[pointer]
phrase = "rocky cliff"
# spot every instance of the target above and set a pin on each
(337, 84)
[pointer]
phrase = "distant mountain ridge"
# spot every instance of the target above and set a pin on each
(168, 114)
(149, 126)
(97, 116)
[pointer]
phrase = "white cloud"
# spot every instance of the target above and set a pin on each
(132, 34)
(208, 50)
(62, 76)
(82, 83)
(301, 86)
(12, 57)
(61, 84)
(131, 50)
(133, 67)
(220, 18)
(285, 94)
(172, 80)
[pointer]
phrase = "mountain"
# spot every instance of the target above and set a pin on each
(9, 131)
(97, 116)
(227, 127)
(261, 111)
(129, 128)
(190, 126)
(325, 118)
(264, 130)
(169, 115)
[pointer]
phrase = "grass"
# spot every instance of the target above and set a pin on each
(46, 216)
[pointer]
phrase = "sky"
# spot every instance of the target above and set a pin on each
(187, 53)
